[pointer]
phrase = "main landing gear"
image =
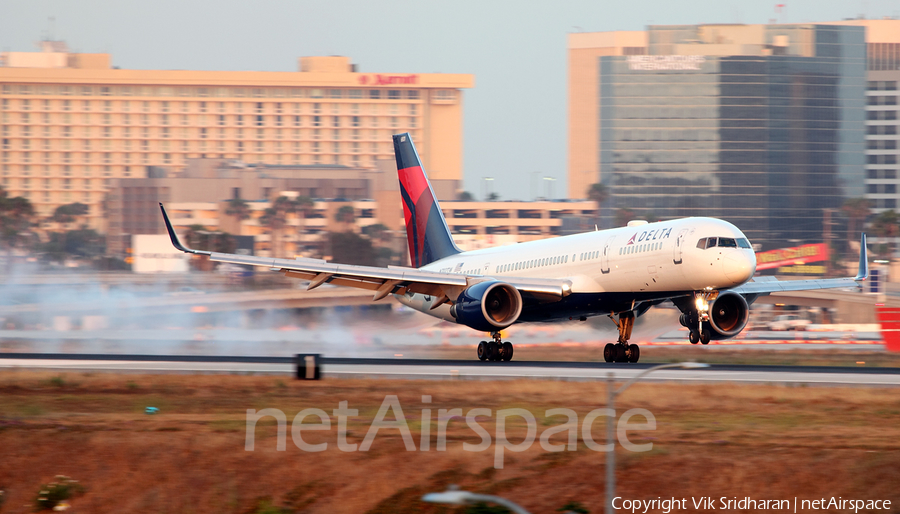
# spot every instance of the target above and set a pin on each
(495, 350)
(622, 351)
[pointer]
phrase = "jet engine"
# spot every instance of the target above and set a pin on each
(728, 315)
(488, 306)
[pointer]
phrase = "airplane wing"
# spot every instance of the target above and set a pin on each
(766, 285)
(383, 281)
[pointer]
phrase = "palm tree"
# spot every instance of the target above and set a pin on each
(346, 215)
(305, 207)
(275, 218)
(887, 225)
(240, 209)
(857, 210)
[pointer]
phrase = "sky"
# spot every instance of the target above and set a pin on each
(514, 121)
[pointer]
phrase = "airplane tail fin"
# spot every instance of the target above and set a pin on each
(426, 229)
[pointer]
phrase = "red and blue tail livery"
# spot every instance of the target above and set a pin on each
(426, 229)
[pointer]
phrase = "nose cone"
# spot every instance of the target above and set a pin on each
(739, 266)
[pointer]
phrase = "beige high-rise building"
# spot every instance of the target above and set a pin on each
(71, 123)
(584, 107)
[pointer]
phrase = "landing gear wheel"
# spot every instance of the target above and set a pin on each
(704, 336)
(609, 352)
(634, 353)
(694, 337)
(483, 349)
(621, 353)
(506, 350)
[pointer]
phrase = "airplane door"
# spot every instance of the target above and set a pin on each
(604, 257)
(679, 245)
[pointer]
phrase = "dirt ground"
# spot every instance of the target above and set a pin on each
(765, 442)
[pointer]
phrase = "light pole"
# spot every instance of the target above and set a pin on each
(456, 497)
(611, 405)
(488, 187)
(549, 181)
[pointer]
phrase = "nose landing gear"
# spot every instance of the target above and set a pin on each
(694, 321)
(495, 350)
(621, 351)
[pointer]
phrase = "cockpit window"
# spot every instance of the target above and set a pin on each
(722, 242)
(727, 242)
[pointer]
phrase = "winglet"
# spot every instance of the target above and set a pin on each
(863, 272)
(174, 237)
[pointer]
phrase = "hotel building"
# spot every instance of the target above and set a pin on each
(72, 123)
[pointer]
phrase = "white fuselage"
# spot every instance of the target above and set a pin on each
(654, 257)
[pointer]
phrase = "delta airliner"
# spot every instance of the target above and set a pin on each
(704, 266)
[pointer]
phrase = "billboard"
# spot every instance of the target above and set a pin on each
(797, 256)
(154, 253)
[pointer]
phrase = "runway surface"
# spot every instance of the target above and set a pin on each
(450, 369)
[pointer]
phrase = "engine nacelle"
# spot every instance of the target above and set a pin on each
(728, 315)
(488, 306)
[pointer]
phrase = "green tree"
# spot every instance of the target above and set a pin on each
(493, 197)
(378, 233)
(346, 215)
(598, 193)
(16, 220)
(351, 248)
(465, 196)
(198, 238)
(82, 243)
(65, 214)
(886, 225)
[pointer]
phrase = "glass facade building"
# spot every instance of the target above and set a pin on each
(765, 131)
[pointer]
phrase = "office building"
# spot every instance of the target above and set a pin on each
(762, 125)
